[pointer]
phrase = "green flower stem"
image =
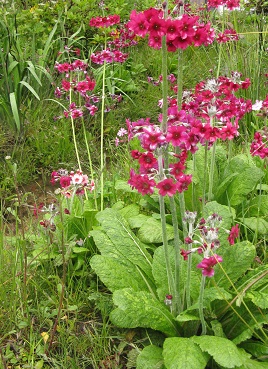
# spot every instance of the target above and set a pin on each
(164, 86)
(171, 289)
(205, 177)
(90, 164)
(230, 149)
(177, 298)
(189, 269)
(180, 78)
(201, 305)
(211, 172)
(102, 130)
(73, 130)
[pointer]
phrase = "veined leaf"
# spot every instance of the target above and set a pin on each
(237, 259)
(223, 351)
(245, 181)
(151, 358)
(259, 298)
(151, 231)
(124, 240)
(118, 273)
(141, 309)
(30, 88)
(182, 353)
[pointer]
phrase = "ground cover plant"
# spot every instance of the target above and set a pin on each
(148, 249)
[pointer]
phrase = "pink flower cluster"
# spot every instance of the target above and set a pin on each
(227, 35)
(180, 33)
(108, 56)
(77, 65)
(122, 37)
(73, 183)
(229, 4)
(82, 86)
(259, 146)
(152, 138)
(104, 22)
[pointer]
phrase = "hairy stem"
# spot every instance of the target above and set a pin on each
(201, 305)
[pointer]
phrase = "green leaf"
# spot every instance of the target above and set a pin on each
(79, 250)
(237, 260)
(151, 231)
(244, 322)
(30, 88)
(121, 185)
(182, 353)
(130, 211)
(252, 364)
(258, 206)
(151, 358)
(138, 220)
(118, 273)
(123, 241)
(15, 111)
(141, 309)
(256, 224)
(12, 65)
(259, 298)
(248, 175)
(257, 349)
(223, 351)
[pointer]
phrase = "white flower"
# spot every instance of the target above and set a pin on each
(257, 105)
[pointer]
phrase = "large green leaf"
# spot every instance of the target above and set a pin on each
(141, 309)
(151, 358)
(117, 273)
(243, 322)
(258, 298)
(257, 224)
(151, 231)
(123, 241)
(237, 260)
(258, 206)
(223, 351)
(183, 353)
(253, 364)
(248, 175)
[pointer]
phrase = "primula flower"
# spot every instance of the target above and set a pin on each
(152, 137)
(65, 181)
(147, 160)
(142, 183)
(176, 135)
(207, 265)
(138, 23)
(234, 233)
(167, 187)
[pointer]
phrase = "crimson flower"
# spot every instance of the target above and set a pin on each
(167, 187)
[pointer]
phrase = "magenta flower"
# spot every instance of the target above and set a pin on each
(65, 181)
(234, 233)
(207, 265)
(167, 187)
(176, 135)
